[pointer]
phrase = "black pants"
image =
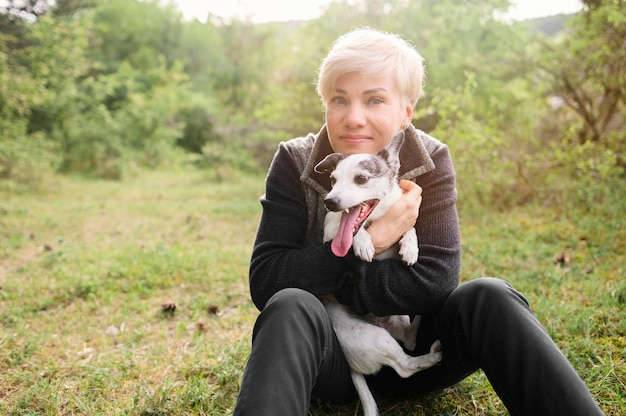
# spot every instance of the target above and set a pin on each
(485, 324)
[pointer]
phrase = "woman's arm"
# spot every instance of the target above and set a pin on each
(279, 257)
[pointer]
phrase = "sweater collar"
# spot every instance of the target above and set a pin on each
(414, 159)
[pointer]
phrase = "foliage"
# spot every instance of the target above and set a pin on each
(107, 98)
(102, 87)
(18, 94)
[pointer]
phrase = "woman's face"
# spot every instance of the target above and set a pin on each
(365, 112)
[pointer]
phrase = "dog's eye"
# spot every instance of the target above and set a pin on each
(332, 181)
(360, 179)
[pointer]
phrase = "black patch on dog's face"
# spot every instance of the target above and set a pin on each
(372, 166)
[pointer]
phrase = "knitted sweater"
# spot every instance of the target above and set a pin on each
(288, 250)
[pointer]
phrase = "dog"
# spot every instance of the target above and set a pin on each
(364, 187)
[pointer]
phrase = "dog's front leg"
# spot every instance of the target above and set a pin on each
(363, 246)
(331, 225)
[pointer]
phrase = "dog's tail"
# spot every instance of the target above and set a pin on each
(367, 400)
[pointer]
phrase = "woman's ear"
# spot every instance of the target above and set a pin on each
(409, 115)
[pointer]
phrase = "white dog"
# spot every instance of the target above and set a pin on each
(364, 187)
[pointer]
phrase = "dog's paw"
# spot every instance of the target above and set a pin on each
(420, 363)
(436, 352)
(436, 347)
(364, 253)
(362, 246)
(408, 254)
(409, 250)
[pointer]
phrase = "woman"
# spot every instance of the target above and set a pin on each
(369, 84)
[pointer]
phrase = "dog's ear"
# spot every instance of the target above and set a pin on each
(329, 163)
(391, 152)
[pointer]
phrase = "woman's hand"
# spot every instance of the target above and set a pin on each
(388, 229)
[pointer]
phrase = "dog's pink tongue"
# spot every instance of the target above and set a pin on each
(343, 240)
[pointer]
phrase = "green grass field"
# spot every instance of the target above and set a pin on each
(131, 298)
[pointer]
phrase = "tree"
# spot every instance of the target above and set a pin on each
(587, 70)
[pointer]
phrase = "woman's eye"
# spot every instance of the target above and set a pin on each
(360, 179)
(338, 101)
(376, 101)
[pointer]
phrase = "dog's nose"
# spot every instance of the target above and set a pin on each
(332, 204)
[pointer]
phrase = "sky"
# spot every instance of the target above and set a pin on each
(281, 10)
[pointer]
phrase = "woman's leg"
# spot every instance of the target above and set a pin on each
(295, 354)
(488, 324)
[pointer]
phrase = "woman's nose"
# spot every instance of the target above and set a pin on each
(355, 117)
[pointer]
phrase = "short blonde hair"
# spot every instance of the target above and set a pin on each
(369, 51)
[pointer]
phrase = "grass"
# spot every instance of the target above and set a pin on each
(89, 272)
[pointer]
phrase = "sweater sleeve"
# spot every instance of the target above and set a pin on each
(280, 259)
(390, 287)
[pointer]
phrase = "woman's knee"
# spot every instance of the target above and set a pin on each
(294, 317)
(293, 309)
(488, 294)
(292, 300)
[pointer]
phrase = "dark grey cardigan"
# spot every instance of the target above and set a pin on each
(288, 250)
